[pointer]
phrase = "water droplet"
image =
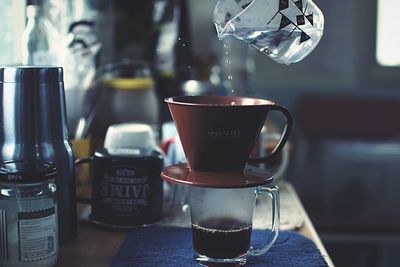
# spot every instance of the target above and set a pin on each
(228, 61)
(179, 38)
(232, 90)
(226, 46)
(188, 67)
(230, 77)
(183, 44)
(226, 53)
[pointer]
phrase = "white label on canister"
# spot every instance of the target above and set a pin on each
(38, 234)
(125, 189)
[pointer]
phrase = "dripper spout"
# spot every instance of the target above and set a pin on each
(227, 30)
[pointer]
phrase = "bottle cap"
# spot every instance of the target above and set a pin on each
(27, 171)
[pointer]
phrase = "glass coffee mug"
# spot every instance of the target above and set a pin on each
(222, 223)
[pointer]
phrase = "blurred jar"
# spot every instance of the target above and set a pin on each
(128, 96)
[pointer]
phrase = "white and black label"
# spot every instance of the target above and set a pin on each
(125, 189)
(38, 234)
(3, 236)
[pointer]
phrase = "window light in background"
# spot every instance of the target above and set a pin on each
(388, 33)
(12, 24)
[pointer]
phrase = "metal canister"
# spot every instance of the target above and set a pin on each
(34, 127)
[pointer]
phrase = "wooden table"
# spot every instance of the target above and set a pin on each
(96, 248)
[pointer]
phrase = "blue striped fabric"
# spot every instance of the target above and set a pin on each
(170, 246)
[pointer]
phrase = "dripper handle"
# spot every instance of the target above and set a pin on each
(282, 141)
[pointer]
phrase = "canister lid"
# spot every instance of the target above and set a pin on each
(31, 74)
(129, 136)
(27, 171)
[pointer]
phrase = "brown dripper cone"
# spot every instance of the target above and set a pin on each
(219, 132)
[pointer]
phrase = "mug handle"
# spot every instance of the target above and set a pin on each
(273, 193)
(78, 162)
(282, 141)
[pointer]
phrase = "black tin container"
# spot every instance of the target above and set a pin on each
(127, 190)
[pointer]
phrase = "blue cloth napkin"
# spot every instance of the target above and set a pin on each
(172, 246)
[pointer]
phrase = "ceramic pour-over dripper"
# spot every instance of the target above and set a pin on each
(219, 132)
(217, 135)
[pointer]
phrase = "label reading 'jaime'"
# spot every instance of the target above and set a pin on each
(125, 189)
(38, 234)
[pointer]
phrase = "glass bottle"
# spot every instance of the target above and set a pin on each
(28, 214)
(39, 39)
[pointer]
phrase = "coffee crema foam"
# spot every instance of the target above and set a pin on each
(214, 230)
